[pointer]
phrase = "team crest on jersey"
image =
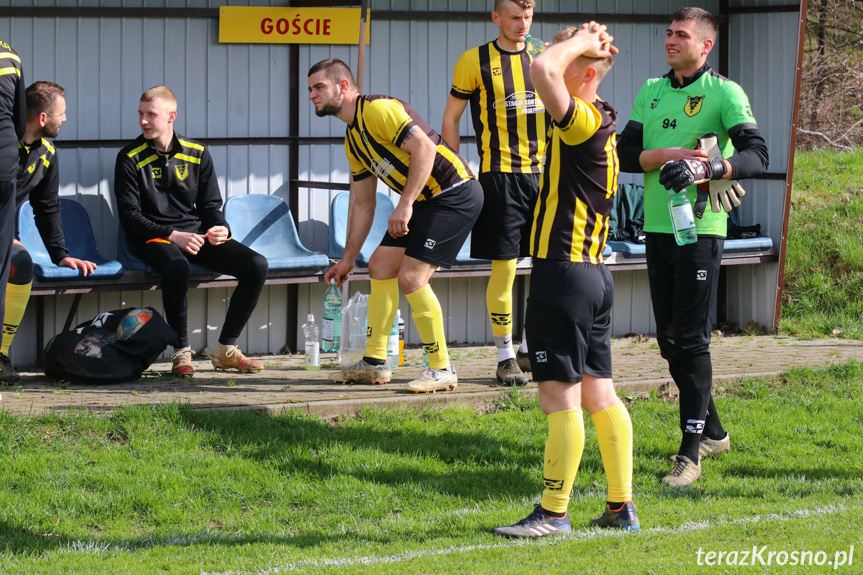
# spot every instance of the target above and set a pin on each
(157, 172)
(182, 171)
(654, 103)
(496, 72)
(693, 105)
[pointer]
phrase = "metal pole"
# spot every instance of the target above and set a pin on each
(361, 66)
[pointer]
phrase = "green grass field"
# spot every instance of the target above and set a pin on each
(823, 292)
(416, 491)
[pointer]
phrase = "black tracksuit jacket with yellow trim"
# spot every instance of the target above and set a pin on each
(39, 180)
(158, 193)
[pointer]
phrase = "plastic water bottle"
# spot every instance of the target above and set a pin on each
(425, 357)
(313, 343)
(401, 322)
(393, 342)
(332, 329)
(682, 219)
(535, 46)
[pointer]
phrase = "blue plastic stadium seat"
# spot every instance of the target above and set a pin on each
(264, 223)
(761, 243)
(627, 249)
(80, 242)
(748, 244)
(384, 208)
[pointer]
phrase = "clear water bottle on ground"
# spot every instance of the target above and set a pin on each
(332, 328)
(535, 46)
(313, 343)
(393, 342)
(682, 219)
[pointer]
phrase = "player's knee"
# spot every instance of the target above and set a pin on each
(21, 269)
(175, 271)
(258, 268)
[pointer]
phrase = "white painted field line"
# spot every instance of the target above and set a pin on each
(509, 543)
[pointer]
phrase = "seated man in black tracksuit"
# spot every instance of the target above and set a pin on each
(169, 202)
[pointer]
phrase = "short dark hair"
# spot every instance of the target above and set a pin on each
(523, 4)
(41, 97)
(705, 22)
(601, 65)
(335, 70)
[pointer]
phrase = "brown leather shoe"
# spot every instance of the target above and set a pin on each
(230, 357)
(182, 363)
(684, 472)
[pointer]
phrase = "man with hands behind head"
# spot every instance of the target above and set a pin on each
(569, 309)
(169, 202)
(671, 113)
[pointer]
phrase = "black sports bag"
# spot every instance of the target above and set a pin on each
(113, 347)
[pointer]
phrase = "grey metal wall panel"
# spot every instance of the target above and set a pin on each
(241, 91)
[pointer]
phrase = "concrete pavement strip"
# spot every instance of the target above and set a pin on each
(285, 384)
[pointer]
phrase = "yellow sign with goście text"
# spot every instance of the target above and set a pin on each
(256, 25)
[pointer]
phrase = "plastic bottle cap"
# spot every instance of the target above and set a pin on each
(310, 318)
(332, 281)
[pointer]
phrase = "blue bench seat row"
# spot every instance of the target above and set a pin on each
(630, 250)
(262, 222)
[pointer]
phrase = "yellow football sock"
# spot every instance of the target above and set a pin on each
(17, 297)
(428, 318)
(383, 302)
(614, 435)
(498, 296)
(563, 450)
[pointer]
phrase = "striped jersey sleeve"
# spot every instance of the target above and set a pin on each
(373, 147)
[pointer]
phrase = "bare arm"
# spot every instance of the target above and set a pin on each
(422, 151)
(361, 217)
(451, 117)
(655, 159)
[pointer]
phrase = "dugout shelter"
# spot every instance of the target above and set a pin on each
(248, 103)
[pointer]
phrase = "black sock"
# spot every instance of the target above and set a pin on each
(695, 380)
(374, 361)
(554, 513)
(712, 425)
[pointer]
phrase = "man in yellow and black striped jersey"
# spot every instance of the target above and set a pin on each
(39, 181)
(12, 122)
(440, 201)
(510, 124)
(170, 205)
(569, 310)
